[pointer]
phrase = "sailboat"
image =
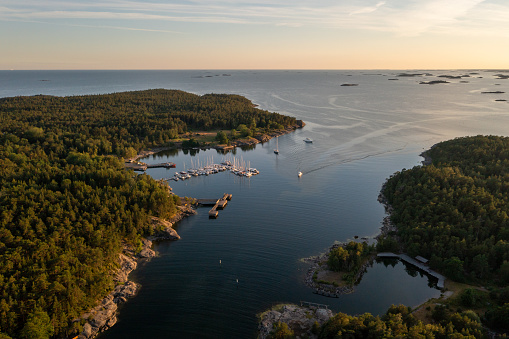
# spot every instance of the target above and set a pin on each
(276, 151)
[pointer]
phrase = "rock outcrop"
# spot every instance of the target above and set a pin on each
(299, 319)
(104, 315)
(163, 229)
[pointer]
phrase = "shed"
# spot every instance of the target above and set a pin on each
(421, 259)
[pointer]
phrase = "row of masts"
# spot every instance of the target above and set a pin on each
(232, 164)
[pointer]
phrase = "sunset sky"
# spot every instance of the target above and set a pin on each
(254, 34)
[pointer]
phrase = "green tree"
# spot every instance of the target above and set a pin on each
(244, 131)
(221, 137)
(453, 268)
(130, 152)
(280, 330)
(38, 326)
(480, 265)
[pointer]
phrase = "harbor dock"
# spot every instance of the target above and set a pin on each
(143, 166)
(218, 204)
(310, 305)
(419, 265)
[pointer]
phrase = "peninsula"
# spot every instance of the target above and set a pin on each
(74, 220)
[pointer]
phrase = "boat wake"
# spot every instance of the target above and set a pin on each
(345, 161)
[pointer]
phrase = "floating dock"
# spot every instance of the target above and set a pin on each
(143, 167)
(218, 204)
(419, 265)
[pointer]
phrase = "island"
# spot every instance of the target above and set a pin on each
(452, 213)
(74, 221)
(433, 82)
(410, 74)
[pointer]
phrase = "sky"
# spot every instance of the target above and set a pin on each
(254, 34)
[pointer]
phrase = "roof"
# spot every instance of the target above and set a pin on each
(421, 259)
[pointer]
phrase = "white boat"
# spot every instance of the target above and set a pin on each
(299, 174)
(276, 151)
(308, 140)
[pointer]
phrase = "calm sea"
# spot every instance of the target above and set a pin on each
(362, 134)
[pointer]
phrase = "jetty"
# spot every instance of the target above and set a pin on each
(326, 293)
(218, 204)
(419, 264)
(143, 166)
(310, 304)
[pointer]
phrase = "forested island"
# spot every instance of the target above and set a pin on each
(69, 207)
(454, 211)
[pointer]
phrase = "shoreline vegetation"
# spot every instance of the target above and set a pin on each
(203, 141)
(74, 221)
(475, 300)
(104, 315)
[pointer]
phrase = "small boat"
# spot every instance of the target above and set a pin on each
(276, 151)
(308, 140)
(299, 174)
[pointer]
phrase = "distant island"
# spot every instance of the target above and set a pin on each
(74, 220)
(433, 82)
(453, 213)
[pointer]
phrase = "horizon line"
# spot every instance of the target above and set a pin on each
(258, 69)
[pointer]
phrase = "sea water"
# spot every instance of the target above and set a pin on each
(361, 135)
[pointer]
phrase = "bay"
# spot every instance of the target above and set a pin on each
(362, 134)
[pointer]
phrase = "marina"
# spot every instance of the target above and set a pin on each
(235, 166)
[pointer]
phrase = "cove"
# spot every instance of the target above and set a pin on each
(273, 220)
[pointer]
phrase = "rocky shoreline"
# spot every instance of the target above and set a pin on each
(300, 319)
(104, 315)
(327, 290)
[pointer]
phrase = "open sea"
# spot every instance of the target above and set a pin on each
(361, 135)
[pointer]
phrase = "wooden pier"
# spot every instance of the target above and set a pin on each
(326, 293)
(143, 166)
(219, 204)
(419, 265)
(310, 304)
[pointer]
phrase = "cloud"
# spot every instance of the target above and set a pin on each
(368, 9)
(398, 17)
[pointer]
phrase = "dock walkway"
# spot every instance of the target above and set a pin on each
(219, 204)
(310, 304)
(143, 166)
(421, 266)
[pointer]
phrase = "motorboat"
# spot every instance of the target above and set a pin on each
(308, 140)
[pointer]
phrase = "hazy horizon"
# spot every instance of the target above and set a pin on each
(253, 34)
(273, 69)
